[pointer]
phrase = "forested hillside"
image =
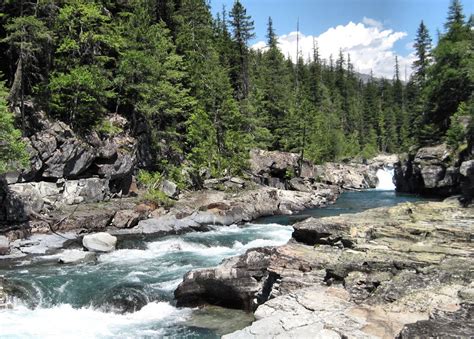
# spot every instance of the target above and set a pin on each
(202, 95)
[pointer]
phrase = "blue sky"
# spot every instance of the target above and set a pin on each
(396, 21)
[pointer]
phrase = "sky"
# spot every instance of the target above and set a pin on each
(372, 31)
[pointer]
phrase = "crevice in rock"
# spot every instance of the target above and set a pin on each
(267, 287)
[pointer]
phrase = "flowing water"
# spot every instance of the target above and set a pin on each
(89, 300)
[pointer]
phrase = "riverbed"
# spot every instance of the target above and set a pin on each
(129, 292)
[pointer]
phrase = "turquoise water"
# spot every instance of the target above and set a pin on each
(348, 202)
(129, 293)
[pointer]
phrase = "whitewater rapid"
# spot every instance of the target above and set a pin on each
(67, 294)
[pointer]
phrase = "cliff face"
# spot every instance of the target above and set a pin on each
(436, 171)
(66, 169)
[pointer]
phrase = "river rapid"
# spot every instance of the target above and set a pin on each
(129, 293)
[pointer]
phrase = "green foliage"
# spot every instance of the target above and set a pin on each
(456, 133)
(78, 96)
(13, 155)
(194, 91)
(151, 181)
(158, 198)
(108, 128)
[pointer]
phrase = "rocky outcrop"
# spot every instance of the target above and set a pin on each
(99, 242)
(362, 275)
(58, 153)
(272, 168)
(435, 171)
(196, 210)
(282, 170)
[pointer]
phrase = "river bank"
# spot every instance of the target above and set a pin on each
(387, 272)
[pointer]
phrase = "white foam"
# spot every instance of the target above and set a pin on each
(385, 179)
(64, 321)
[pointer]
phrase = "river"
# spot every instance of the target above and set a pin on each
(81, 301)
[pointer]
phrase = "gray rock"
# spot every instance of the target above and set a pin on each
(127, 218)
(99, 242)
(122, 166)
(85, 190)
(432, 175)
(69, 160)
(4, 245)
(30, 196)
(434, 155)
(169, 188)
(467, 168)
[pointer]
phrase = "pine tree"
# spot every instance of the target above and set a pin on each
(81, 85)
(242, 28)
(28, 39)
(449, 80)
(13, 155)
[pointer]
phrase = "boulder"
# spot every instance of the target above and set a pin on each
(99, 242)
(274, 167)
(431, 171)
(434, 155)
(169, 188)
(85, 190)
(4, 245)
(233, 284)
(349, 176)
(122, 166)
(127, 218)
(12, 208)
(29, 195)
(467, 169)
(432, 175)
(69, 160)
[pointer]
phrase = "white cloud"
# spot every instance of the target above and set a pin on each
(372, 23)
(370, 45)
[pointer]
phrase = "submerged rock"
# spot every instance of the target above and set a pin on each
(99, 242)
(76, 257)
(123, 298)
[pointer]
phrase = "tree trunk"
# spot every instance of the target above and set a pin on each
(16, 86)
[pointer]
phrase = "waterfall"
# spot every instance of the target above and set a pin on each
(385, 179)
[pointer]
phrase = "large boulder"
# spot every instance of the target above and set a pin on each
(99, 242)
(4, 245)
(233, 284)
(274, 168)
(85, 190)
(169, 188)
(119, 166)
(433, 171)
(70, 160)
(29, 195)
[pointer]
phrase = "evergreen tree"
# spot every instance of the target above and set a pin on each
(13, 153)
(81, 84)
(449, 80)
(28, 39)
(242, 28)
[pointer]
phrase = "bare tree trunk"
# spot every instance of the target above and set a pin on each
(16, 86)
